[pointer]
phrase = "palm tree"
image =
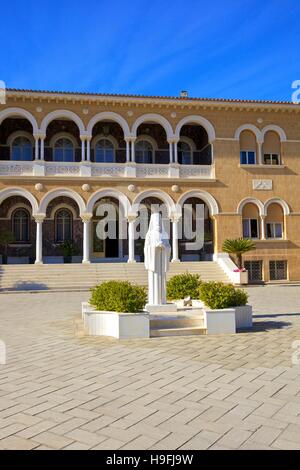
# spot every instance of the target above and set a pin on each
(238, 247)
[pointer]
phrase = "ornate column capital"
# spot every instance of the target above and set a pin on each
(131, 217)
(85, 137)
(39, 135)
(86, 217)
(175, 217)
(173, 140)
(39, 217)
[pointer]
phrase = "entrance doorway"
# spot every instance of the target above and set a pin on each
(111, 246)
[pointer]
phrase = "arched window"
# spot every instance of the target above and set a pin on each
(21, 149)
(63, 225)
(185, 156)
(63, 150)
(20, 225)
(248, 147)
(271, 148)
(143, 152)
(250, 218)
(104, 151)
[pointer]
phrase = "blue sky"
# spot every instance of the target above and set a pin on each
(233, 49)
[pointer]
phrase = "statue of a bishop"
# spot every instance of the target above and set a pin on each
(157, 252)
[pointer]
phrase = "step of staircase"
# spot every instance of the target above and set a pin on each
(187, 331)
(83, 277)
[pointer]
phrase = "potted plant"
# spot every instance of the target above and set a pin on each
(6, 237)
(225, 307)
(69, 249)
(238, 247)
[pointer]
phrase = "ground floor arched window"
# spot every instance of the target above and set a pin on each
(20, 225)
(63, 225)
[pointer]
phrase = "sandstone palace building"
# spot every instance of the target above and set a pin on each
(63, 153)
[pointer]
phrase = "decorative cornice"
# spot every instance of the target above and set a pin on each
(137, 100)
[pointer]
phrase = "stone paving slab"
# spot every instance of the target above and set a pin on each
(63, 390)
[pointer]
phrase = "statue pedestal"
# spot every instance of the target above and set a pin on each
(163, 308)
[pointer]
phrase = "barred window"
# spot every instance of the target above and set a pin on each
(254, 269)
(278, 270)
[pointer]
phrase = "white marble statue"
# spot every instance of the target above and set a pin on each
(157, 252)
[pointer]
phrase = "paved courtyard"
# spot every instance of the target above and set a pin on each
(62, 390)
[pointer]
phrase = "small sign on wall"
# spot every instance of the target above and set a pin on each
(263, 185)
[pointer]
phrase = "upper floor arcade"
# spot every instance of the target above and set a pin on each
(73, 139)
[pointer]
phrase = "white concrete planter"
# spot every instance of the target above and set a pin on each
(240, 277)
(117, 325)
(228, 320)
(243, 316)
(220, 321)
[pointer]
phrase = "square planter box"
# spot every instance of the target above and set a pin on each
(117, 325)
(220, 321)
(240, 277)
(243, 317)
(228, 320)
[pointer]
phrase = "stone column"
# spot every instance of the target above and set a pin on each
(86, 219)
(263, 229)
(88, 148)
(39, 218)
(131, 220)
(175, 151)
(175, 222)
(42, 156)
(82, 148)
(36, 147)
(259, 147)
(127, 140)
(170, 151)
(132, 149)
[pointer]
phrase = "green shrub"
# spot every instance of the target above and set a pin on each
(118, 296)
(217, 295)
(183, 285)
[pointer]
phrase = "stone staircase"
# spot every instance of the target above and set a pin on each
(185, 322)
(74, 277)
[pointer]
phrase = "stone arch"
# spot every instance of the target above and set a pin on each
(62, 113)
(10, 192)
(197, 120)
(113, 193)
(111, 116)
(11, 112)
(164, 197)
(251, 200)
(249, 127)
(274, 128)
(54, 193)
(157, 118)
(204, 196)
(280, 202)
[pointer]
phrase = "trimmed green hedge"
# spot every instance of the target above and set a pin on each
(217, 295)
(183, 285)
(118, 296)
